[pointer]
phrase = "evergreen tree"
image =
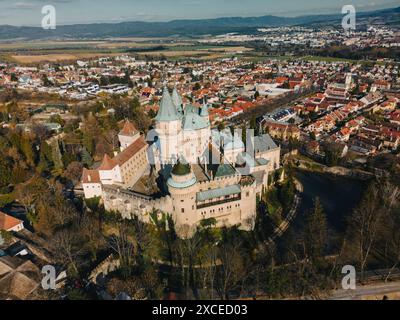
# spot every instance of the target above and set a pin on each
(56, 155)
(316, 231)
(254, 126)
(45, 158)
(86, 157)
(27, 150)
(5, 175)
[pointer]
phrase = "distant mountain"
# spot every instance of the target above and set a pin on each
(186, 27)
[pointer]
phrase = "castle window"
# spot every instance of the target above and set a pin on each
(183, 210)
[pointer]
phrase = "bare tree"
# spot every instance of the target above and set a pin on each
(232, 270)
(124, 247)
(67, 248)
(368, 220)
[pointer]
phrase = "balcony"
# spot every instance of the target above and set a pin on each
(219, 202)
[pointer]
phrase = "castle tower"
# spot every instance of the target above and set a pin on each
(177, 100)
(182, 187)
(128, 135)
(168, 126)
(204, 113)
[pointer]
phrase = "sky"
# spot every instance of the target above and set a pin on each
(28, 12)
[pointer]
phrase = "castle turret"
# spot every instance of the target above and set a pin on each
(204, 113)
(128, 135)
(182, 187)
(177, 100)
(168, 126)
(168, 111)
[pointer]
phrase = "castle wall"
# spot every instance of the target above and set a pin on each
(92, 190)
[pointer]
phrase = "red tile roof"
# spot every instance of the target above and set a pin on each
(128, 129)
(129, 152)
(90, 176)
(108, 163)
(7, 222)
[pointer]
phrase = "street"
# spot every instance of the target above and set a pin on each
(369, 292)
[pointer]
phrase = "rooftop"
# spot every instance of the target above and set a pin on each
(90, 176)
(218, 193)
(128, 129)
(264, 143)
(8, 222)
(168, 110)
(181, 169)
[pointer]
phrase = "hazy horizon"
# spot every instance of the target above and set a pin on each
(28, 13)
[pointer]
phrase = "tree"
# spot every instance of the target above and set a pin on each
(27, 150)
(29, 193)
(46, 81)
(254, 126)
(86, 158)
(368, 220)
(5, 176)
(196, 86)
(91, 131)
(287, 190)
(315, 233)
(57, 119)
(45, 158)
(66, 245)
(232, 271)
(124, 248)
(74, 171)
(332, 154)
(56, 155)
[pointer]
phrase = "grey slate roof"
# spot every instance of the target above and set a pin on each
(167, 111)
(264, 143)
(218, 193)
(177, 100)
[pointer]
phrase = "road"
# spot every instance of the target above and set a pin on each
(369, 291)
(282, 228)
(277, 103)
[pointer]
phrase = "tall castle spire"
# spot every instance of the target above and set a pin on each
(167, 111)
(177, 100)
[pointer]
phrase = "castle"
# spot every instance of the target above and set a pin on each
(185, 169)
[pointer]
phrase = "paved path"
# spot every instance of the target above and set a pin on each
(282, 228)
(378, 290)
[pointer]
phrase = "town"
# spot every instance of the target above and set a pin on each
(227, 169)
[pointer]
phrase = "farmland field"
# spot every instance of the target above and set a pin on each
(33, 52)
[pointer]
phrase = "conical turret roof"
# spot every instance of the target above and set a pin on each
(177, 100)
(167, 111)
(204, 111)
